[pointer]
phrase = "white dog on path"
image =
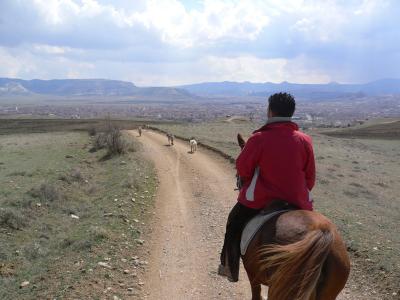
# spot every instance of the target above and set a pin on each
(193, 145)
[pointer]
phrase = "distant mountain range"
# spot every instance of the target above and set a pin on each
(87, 88)
(115, 88)
(309, 91)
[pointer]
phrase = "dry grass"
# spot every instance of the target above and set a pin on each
(46, 192)
(23, 126)
(11, 218)
(384, 129)
(52, 223)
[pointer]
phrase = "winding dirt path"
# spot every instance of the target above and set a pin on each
(195, 194)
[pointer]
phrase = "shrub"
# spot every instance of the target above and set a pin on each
(23, 202)
(11, 218)
(131, 183)
(100, 142)
(112, 140)
(85, 242)
(92, 131)
(17, 173)
(76, 175)
(92, 189)
(34, 250)
(65, 178)
(116, 144)
(98, 233)
(46, 192)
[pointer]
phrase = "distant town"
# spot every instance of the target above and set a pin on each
(326, 113)
(318, 105)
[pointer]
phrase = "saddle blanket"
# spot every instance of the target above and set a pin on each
(253, 226)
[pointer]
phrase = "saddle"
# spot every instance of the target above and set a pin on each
(275, 208)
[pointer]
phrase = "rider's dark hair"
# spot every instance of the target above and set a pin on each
(282, 104)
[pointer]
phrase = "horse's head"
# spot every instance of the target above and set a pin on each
(241, 141)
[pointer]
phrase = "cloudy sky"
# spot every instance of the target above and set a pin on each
(171, 42)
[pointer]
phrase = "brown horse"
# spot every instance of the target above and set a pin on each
(299, 255)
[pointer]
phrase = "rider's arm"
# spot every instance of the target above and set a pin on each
(310, 165)
(248, 158)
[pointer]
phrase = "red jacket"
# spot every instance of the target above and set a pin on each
(277, 163)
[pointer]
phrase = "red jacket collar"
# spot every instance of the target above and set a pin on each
(285, 124)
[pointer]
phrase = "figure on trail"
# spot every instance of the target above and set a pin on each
(276, 163)
(170, 137)
(193, 145)
(140, 130)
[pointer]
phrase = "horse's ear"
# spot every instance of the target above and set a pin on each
(241, 141)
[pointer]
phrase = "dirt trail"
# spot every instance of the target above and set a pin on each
(194, 197)
(195, 194)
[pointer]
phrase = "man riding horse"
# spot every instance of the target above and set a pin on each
(276, 163)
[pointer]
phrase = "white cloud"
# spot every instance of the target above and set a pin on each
(171, 42)
(47, 49)
(20, 63)
(175, 24)
(10, 65)
(369, 7)
(56, 12)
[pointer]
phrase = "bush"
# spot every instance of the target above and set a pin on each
(131, 183)
(34, 250)
(11, 219)
(98, 233)
(116, 144)
(92, 131)
(100, 142)
(17, 173)
(112, 140)
(92, 189)
(46, 192)
(85, 242)
(76, 175)
(65, 178)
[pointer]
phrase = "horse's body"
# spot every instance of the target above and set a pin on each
(299, 255)
(193, 145)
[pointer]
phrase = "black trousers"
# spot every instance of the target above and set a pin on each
(238, 218)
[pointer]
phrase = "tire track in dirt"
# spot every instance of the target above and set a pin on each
(193, 200)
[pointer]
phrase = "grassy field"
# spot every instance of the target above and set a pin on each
(70, 220)
(26, 125)
(219, 134)
(358, 183)
(380, 129)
